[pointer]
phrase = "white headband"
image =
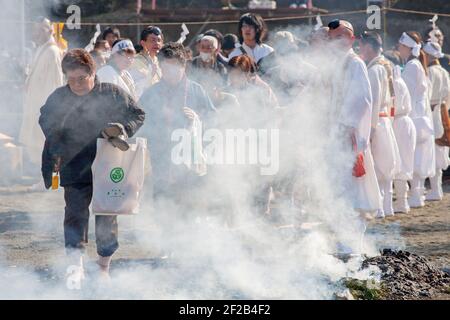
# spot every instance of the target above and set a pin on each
(122, 45)
(212, 40)
(410, 43)
(433, 49)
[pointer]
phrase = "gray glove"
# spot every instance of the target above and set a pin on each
(114, 130)
(116, 134)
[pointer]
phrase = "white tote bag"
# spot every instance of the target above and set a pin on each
(118, 177)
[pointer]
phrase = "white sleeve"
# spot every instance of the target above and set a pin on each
(375, 84)
(411, 77)
(358, 99)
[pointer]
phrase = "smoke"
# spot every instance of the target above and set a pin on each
(218, 245)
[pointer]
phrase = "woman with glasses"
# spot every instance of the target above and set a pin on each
(115, 72)
(72, 120)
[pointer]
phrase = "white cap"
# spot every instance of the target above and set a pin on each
(212, 40)
(406, 40)
(433, 49)
(122, 45)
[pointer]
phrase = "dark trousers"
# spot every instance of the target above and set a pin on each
(76, 222)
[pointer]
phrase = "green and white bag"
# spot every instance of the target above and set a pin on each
(118, 177)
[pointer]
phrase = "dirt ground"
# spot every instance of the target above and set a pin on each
(31, 232)
(424, 231)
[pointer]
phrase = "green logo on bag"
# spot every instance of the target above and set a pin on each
(117, 175)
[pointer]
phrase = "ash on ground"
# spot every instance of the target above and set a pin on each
(404, 276)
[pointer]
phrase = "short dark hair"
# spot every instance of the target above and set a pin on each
(229, 41)
(216, 34)
(173, 50)
(254, 20)
(151, 30)
(373, 39)
(111, 30)
(78, 59)
(138, 48)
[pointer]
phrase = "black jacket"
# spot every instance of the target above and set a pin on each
(72, 124)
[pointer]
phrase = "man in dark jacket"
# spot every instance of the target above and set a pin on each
(72, 119)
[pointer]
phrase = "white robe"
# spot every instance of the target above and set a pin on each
(352, 106)
(404, 129)
(440, 87)
(384, 145)
(257, 53)
(107, 74)
(418, 83)
(45, 76)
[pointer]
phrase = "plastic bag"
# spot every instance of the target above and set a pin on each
(118, 177)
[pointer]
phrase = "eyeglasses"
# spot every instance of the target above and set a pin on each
(78, 80)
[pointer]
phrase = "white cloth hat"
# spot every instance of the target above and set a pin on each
(433, 49)
(122, 45)
(410, 43)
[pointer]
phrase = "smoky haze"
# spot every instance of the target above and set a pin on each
(222, 246)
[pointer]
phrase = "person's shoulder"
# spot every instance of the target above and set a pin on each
(151, 93)
(112, 90)
(413, 64)
(106, 70)
(58, 93)
(356, 62)
(139, 62)
(53, 49)
(235, 53)
(441, 69)
(377, 68)
(266, 48)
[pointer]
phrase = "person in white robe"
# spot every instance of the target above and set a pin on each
(405, 134)
(251, 32)
(440, 87)
(415, 76)
(45, 76)
(384, 145)
(115, 72)
(352, 108)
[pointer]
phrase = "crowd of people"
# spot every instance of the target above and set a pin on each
(388, 107)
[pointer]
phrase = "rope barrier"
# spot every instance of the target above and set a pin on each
(445, 15)
(418, 12)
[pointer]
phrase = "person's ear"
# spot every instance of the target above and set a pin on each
(352, 39)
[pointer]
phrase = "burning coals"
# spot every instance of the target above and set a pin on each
(404, 276)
